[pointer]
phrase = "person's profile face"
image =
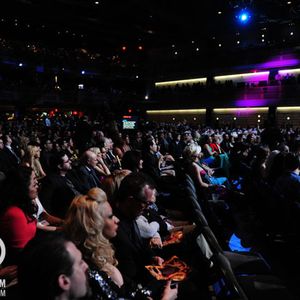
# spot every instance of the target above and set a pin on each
(78, 280)
(136, 205)
(110, 221)
(33, 187)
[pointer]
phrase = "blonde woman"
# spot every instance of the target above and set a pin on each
(32, 159)
(90, 224)
(101, 167)
(200, 173)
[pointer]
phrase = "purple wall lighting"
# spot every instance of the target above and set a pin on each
(252, 102)
(257, 76)
(280, 62)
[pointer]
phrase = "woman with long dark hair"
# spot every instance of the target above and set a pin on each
(18, 210)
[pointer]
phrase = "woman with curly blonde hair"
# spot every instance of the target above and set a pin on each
(90, 224)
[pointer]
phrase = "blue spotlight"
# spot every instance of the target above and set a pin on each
(244, 16)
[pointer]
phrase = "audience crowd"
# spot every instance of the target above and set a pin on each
(85, 207)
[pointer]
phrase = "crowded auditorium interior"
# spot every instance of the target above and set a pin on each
(150, 149)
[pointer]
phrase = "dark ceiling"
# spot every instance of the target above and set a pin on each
(161, 27)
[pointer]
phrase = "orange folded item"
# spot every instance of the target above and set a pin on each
(172, 269)
(175, 238)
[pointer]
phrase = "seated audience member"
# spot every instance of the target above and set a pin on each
(52, 269)
(111, 184)
(226, 143)
(132, 160)
(17, 211)
(57, 190)
(132, 252)
(176, 146)
(192, 154)
(214, 156)
(86, 172)
(46, 154)
(154, 164)
(121, 146)
(288, 186)
(12, 158)
(101, 168)
(91, 224)
(32, 159)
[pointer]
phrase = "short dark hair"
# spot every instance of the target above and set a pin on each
(131, 160)
(56, 160)
(41, 262)
(132, 185)
(148, 143)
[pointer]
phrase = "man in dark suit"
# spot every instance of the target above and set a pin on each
(57, 190)
(8, 156)
(132, 252)
(86, 174)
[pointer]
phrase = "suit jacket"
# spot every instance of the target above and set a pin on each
(132, 252)
(8, 160)
(57, 194)
(85, 179)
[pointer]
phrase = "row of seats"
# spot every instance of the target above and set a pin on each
(240, 275)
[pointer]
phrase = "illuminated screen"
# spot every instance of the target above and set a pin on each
(129, 122)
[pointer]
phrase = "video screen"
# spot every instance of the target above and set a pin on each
(129, 122)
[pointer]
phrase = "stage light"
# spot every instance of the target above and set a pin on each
(244, 16)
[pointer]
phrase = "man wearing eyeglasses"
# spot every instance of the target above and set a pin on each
(133, 252)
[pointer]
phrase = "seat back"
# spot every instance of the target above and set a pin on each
(229, 276)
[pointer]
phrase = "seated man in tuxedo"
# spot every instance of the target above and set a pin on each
(58, 191)
(132, 252)
(86, 174)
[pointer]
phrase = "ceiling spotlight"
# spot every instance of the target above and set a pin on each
(197, 49)
(175, 52)
(243, 16)
(289, 2)
(219, 12)
(82, 72)
(20, 65)
(238, 42)
(96, 2)
(292, 33)
(220, 45)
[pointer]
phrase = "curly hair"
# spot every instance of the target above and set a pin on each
(84, 226)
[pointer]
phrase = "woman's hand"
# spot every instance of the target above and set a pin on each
(170, 292)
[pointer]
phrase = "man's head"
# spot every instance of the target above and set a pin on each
(150, 145)
(52, 268)
(48, 145)
(61, 162)
(135, 194)
(89, 159)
